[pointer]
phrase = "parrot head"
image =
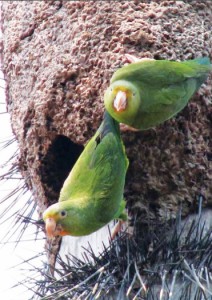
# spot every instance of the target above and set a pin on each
(122, 100)
(55, 220)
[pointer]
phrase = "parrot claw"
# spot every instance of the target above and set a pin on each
(124, 128)
(131, 58)
(116, 229)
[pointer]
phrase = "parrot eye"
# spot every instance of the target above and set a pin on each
(63, 213)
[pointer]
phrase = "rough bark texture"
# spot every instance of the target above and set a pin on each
(58, 58)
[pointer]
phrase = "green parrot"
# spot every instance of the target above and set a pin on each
(92, 194)
(148, 92)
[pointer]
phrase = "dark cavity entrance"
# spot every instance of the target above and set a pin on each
(57, 164)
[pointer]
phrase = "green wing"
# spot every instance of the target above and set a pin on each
(163, 72)
(170, 97)
(159, 105)
(101, 168)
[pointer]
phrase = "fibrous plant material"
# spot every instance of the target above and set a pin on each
(12, 212)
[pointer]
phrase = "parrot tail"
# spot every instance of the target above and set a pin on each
(203, 67)
(203, 61)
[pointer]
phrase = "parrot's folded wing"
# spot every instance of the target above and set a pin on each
(90, 169)
(161, 72)
(94, 171)
(173, 97)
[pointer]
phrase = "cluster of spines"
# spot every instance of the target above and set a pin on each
(173, 263)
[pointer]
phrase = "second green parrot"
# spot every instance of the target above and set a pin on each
(92, 195)
(147, 92)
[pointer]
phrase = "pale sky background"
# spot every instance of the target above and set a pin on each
(11, 256)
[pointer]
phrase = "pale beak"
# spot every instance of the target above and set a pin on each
(50, 227)
(120, 102)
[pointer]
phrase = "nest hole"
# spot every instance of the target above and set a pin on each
(57, 164)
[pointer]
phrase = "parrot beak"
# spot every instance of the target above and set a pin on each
(120, 102)
(50, 227)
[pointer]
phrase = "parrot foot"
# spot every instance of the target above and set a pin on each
(131, 58)
(124, 128)
(116, 229)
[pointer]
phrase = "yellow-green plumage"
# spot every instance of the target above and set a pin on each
(156, 90)
(92, 195)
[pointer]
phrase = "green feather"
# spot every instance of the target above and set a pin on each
(93, 192)
(157, 89)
